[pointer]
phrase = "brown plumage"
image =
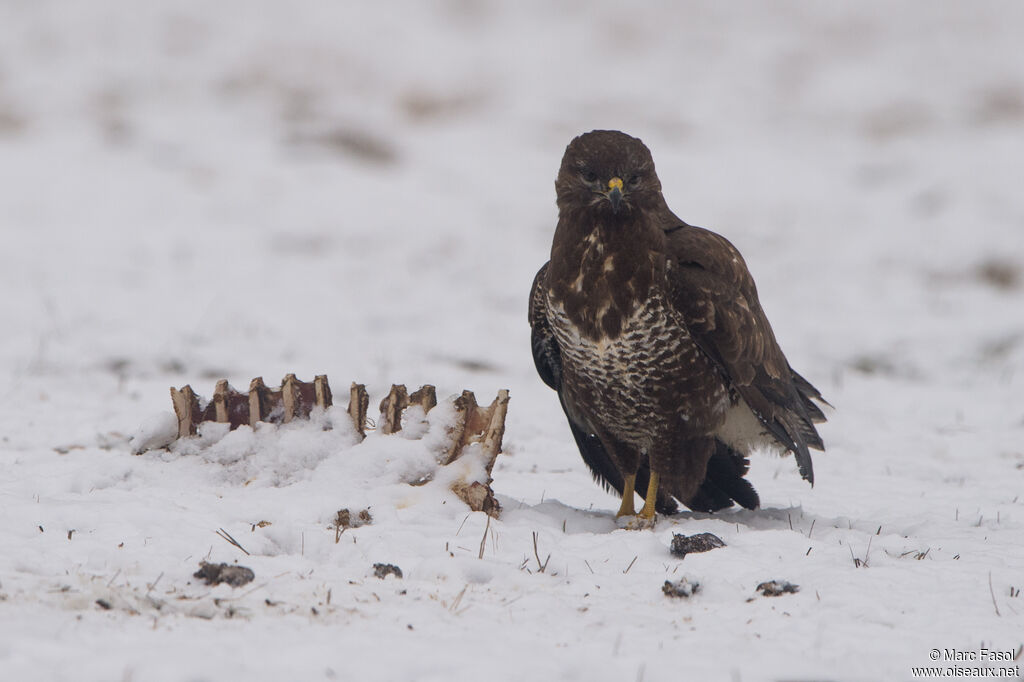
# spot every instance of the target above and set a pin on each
(651, 332)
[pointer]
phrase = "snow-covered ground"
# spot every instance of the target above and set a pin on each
(194, 190)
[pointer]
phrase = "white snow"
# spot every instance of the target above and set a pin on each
(192, 191)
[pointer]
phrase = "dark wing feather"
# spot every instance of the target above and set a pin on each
(546, 355)
(714, 292)
(547, 358)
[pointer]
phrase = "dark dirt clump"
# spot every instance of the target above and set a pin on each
(701, 542)
(343, 519)
(681, 588)
(215, 574)
(774, 588)
(384, 570)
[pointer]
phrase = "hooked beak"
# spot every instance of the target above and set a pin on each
(614, 193)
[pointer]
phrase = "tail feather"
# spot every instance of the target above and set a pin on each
(808, 395)
(723, 483)
(709, 498)
(727, 469)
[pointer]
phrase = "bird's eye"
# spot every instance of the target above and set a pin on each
(590, 176)
(633, 181)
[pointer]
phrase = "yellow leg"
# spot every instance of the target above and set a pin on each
(652, 495)
(626, 508)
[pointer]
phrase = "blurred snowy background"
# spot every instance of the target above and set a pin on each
(194, 190)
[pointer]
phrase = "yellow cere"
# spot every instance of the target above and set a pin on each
(615, 183)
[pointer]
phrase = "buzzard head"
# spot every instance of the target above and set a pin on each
(607, 174)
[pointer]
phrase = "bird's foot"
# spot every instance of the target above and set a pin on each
(636, 522)
(626, 517)
(626, 509)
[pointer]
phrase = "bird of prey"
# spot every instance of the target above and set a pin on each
(652, 334)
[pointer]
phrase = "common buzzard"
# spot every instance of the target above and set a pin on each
(651, 332)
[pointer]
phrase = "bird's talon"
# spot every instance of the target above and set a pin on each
(636, 522)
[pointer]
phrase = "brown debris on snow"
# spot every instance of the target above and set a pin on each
(485, 426)
(680, 589)
(701, 542)
(999, 274)
(294, 399)
(343, 521)
(384, 570)
(775, 588)
(358, 404)
(215, 574)
(391, 409)
(475, 424)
